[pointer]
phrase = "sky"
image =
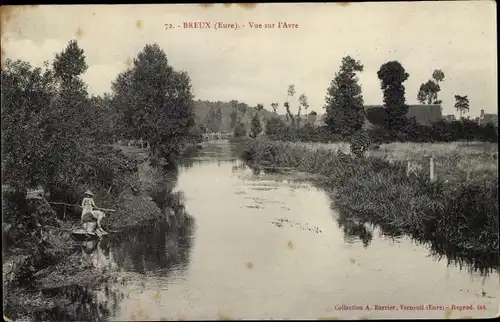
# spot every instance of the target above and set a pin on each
(257, 65)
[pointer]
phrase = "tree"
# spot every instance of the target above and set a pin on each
(303, 104)
(233, 118)
(239, 130)
(462, 104)
(107, 118)
(213, 120)
(274, 126)
(49, 113)
(428, 92)
(27, 93)
(274, 106)
(360, 141)
(119, 100)
(242, 107)
(344, 101)
(70, 63)
(438, 75)
(290, 93)
(233, 103)
(392, 75)
(157, 100)
(256, 126)
(311, 119)
(73, 123)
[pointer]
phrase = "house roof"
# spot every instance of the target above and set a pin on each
(489, 118)
(423, 113)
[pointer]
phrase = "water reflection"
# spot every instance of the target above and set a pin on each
(156, 250)
(81, 303)
(166, 245)
(238, 167)
(473, 262)
(353, 229)
(83, 299)
(356, 228)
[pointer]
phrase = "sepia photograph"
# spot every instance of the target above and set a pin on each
(320, 161)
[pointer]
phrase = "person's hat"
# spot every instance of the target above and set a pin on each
(88, 192)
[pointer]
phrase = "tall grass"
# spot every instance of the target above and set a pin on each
(462, 215)
(455, 161)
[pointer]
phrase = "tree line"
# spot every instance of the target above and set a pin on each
(55, 134)
(346, 116)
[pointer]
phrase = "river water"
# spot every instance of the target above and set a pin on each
(271, 246)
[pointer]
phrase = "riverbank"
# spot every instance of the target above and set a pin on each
(41, 259)
(458, 215)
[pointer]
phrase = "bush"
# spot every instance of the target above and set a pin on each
(360, 142)
(441, 131)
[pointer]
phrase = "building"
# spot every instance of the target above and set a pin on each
(488, 119)
(320, 120)
(449, 118)
(424, 114)
(311, 118)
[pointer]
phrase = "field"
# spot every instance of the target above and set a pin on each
(454, 161)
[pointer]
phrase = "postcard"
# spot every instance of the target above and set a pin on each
(250, 161)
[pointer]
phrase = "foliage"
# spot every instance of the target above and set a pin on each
(110, 127)
(344, 102)
(441, 131)
(290, 93)
(438, 75)
(274, 127)
(303, 104)
(26, 94)
(360, 142)
(239, 130)
(392, 75)
(49, 111)
(462, 104)
(70, 64)
(256, 126)
(156, 100)
(213, 120)
(234, 118)
(231, 112)
(274, 106)
(428, 92)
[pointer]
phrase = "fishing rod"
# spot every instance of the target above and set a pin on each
(72, 205)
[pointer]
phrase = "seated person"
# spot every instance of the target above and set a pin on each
(91, 219)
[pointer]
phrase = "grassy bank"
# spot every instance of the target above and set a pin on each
(459, 215)
(39, 255)
(455, 161)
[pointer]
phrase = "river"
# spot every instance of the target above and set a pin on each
(271, 246)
